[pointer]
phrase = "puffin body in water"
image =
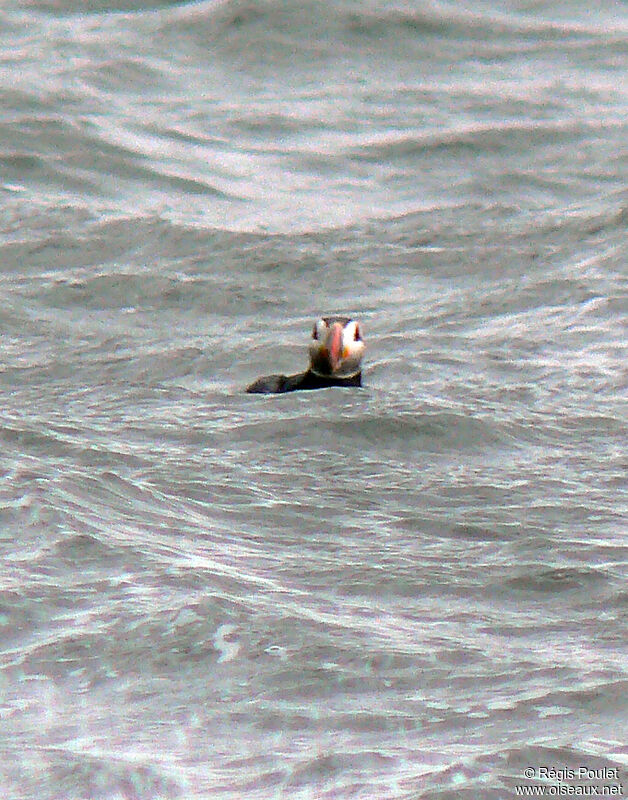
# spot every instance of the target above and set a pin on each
(336, 353)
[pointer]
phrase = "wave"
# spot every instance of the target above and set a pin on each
(369, 20)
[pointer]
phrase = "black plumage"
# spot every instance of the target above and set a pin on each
(275, 384)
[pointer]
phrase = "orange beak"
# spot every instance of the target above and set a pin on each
(334, 346)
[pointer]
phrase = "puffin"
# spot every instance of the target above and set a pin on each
(336, 351)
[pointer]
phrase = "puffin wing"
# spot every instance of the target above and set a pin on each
(270, 384)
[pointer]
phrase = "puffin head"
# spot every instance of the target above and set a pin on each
(336, 348)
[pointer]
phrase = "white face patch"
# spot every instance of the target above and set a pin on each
(351, 335)
(320, 330)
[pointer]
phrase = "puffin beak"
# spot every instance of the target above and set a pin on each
(334, 346)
